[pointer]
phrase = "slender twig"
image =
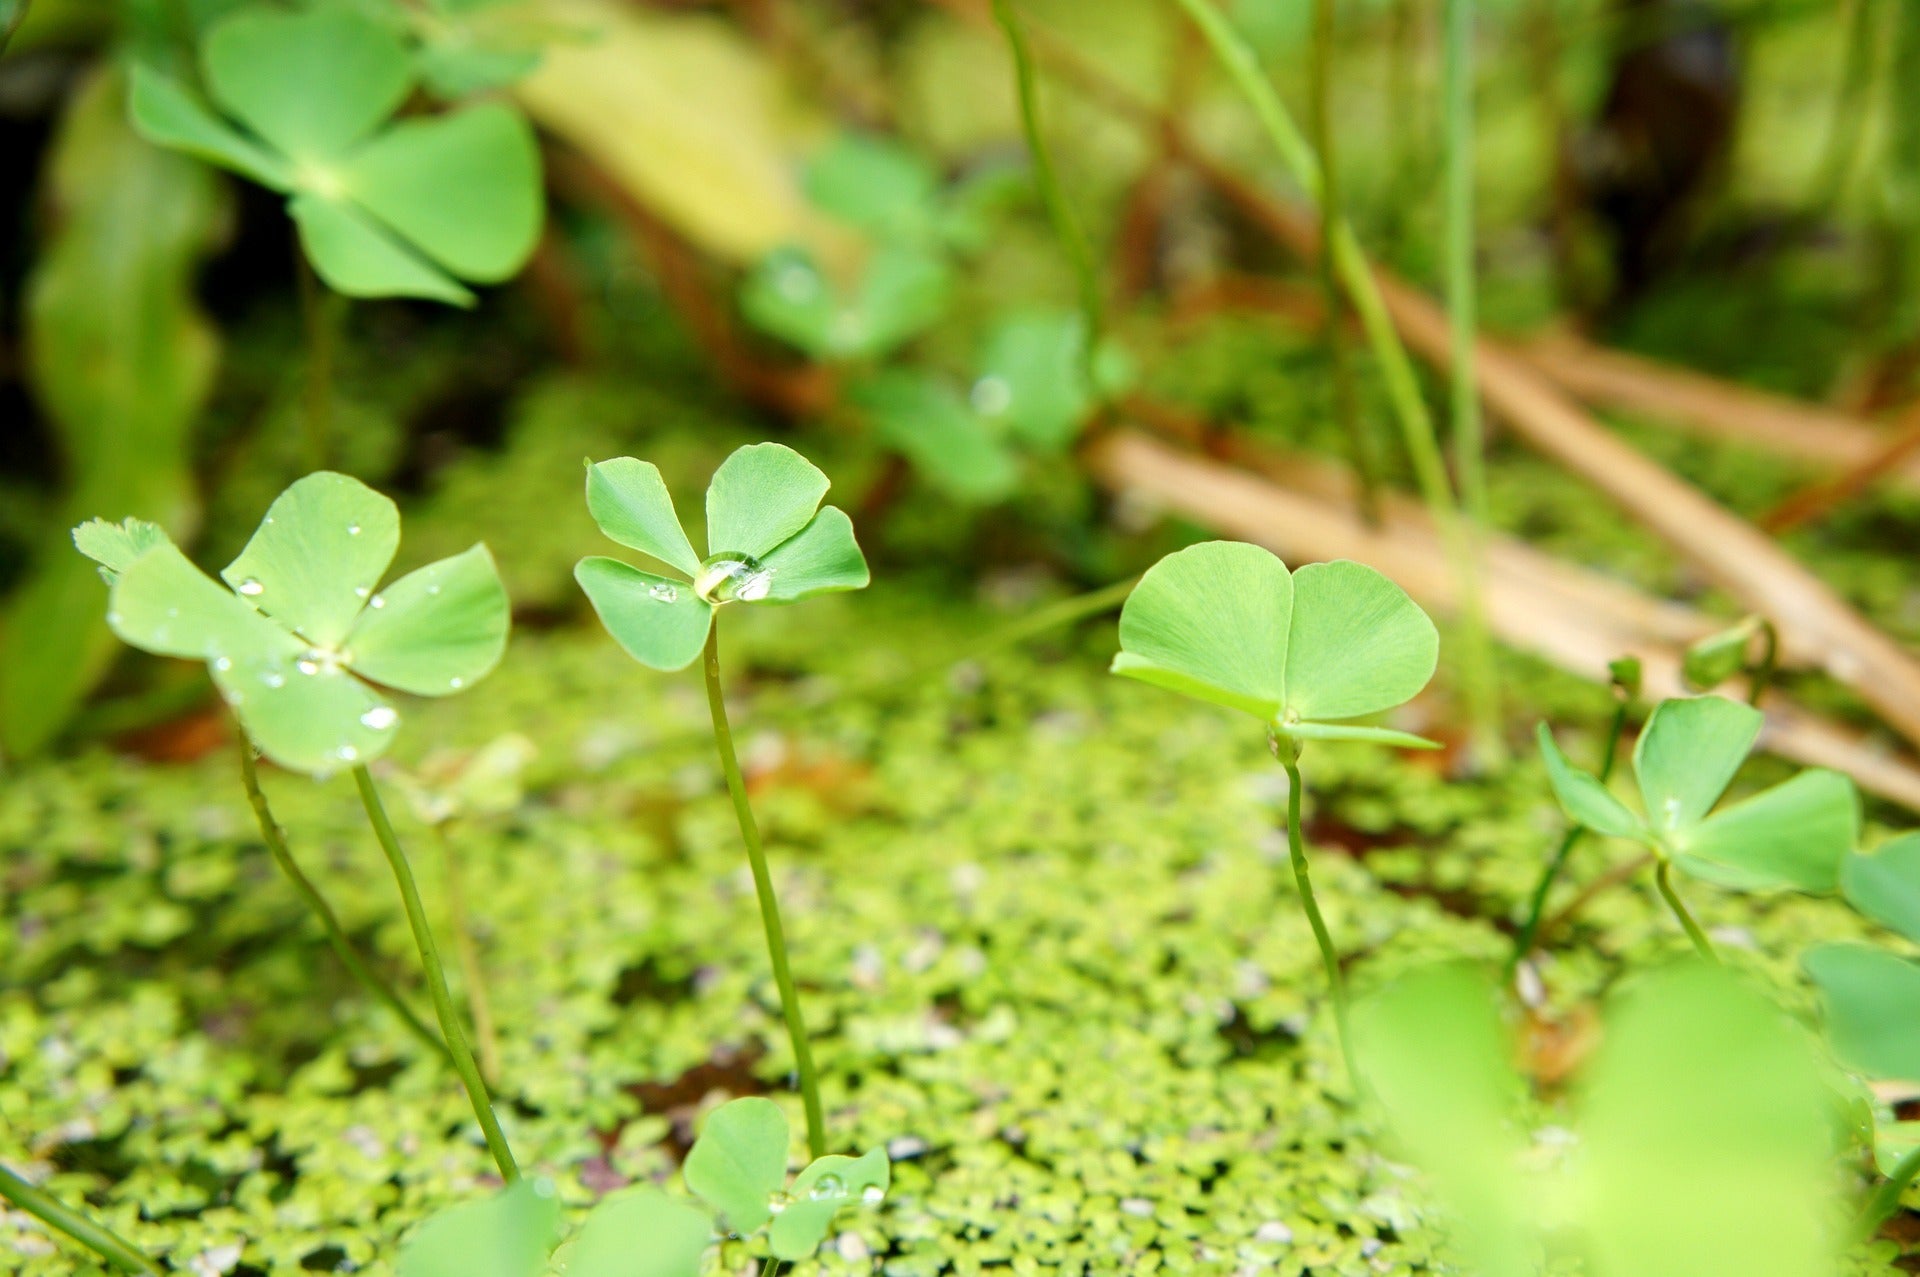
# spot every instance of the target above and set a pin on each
(443, 1006)
(1886, 1198)
(1297, 850)
(1073, 238)
(1524, 938)
(276, 840)
(486, 1038)
(769, 904)
(1663, 878)
(1403, 386)
(94, 1237)
(1346, 404)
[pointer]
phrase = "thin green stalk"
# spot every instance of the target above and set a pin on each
(1072, 238)
(437, 978)
(1523, 939)
(1403, 387)
(1886, 1198)
(99, 1240)
(1469, 441)
(276, 840)
(1769, 665)
(1849, 121)
(1297, 850)
(1346, 404)
(1663, 878)
(486, 1037)
(769, 905)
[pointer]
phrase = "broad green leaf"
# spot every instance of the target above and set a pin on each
(1893, 1142)
(1706, 1137)
(1433, 1049)
(761, 495)
(878, 186)
(1585, 800)
(1872, 1003)
(902, 292)
(630, 502)
(1212, 621)
(822, 556)
(786, 295)
(1796, 835)
(114, 546)
(1711, 661)
(661, 623)
(1033, 378)
(359, 259)
(435, 630)
(461, 70)
(1687, 756)
(1358, 644)
(505, 1235)
(640, 1232)
(819, 1193)
(1885, 886)
(1357, 732)
(463, 187)
(168, 115)
(739, 1162)
(305, 712)
(163, 604)
(311, 84)
(951, 447)
(312, 564)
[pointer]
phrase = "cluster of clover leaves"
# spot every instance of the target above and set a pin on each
(303, 102)
(737, 1171)
(1028, 391)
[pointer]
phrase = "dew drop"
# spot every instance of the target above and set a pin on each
(456, 682)
(827, 1186)
(361, 591)
(873, 1195)
(222, 663)
(991, 396)
(727, 577)
(353, 529)
(113, 618)
(797, 283)
(433, 589)
(348, 753)
(250, 587)
(274, 678)
(307, 666)
(380, 718)
(663, 593)
(378, 601)
(777, 1202)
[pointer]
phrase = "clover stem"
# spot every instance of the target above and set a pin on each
(769, 905)
(1297, 850)
(463, 1062)
(1763, 672)
(1663, 878)
(1524, 938)
(95, 1238)
(486, 1036)
(1886, 1198)
(276, 840)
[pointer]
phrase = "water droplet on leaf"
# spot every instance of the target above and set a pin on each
(873, 1195)
(380, 717)
(664, 593)
(353, 529)
(725, 578)
(250, 587)
(827, 1186)
(777, 1202)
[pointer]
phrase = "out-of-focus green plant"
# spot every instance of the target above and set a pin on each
(302, 103)
(120, 360)
(769, 540)
(737, 1168)
(1704, 1124)
(1304, 652)
(1794, 835)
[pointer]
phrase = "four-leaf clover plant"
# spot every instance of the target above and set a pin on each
(1793, 836)
(770, 541)
(1304, 652)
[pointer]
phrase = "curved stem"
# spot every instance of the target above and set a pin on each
(53, 1214)
(1663, 878)
(1072, 238)
(769, 904)
(1297, 850)
(350, 958)
(437, 978)
(1886, 1198)
(1530, 929)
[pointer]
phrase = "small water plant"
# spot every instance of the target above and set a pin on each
(1793, 836)
(737, 1171)
(300, 639)
(1305, 652)
(770, 541)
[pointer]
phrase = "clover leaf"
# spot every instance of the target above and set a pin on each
(640, 1232)
(1226, 622)
(899, 292)
(738, 1166)
(1033, 377)
(1794, 835)
(770, 540)
(1885, 884)
(302, 103)
(297, 639)
(1871, 1000)
(505, 1235)
(950, 444)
